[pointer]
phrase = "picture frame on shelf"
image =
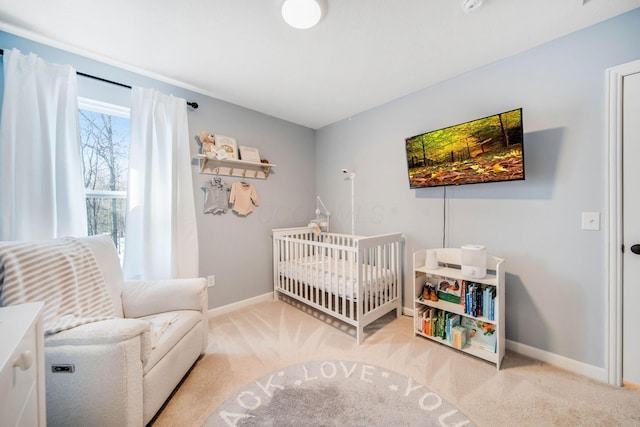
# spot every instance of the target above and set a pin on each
(249, 154)
(228, 144)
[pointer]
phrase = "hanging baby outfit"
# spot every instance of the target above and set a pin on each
(216, 197)
(243, 196)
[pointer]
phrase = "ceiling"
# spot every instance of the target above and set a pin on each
(362, 54)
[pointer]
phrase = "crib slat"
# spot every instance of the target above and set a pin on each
(371, 271)
(322, 276)
(378, 276)
(372, 285)
(347, 285)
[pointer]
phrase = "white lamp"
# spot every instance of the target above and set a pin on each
(301, 14)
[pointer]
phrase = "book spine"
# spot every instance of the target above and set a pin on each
(493, 303)
(485, 302)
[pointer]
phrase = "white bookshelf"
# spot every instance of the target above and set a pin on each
(449, 261)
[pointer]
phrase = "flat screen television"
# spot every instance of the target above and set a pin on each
(482, 150)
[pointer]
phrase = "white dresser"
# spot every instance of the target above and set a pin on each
(22, 393)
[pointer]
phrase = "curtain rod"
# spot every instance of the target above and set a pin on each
(193, 104)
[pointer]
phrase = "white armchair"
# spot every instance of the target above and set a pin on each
(120, 371)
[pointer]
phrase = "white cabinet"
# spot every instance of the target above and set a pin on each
(465, 306)
(22, 401)
(232, 167)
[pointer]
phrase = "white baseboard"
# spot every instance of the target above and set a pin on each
(213, 312)
(580, 368)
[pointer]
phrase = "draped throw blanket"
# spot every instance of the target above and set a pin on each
(61, 272)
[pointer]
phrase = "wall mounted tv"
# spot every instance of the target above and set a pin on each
(483, 150)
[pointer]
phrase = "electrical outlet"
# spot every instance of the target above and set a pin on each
(211, 281)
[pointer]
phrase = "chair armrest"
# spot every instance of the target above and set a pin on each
(104, 332)
(107, 359)
(144, 298)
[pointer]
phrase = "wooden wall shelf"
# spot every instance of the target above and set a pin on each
(233, 167)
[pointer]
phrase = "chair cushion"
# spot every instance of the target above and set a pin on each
(167, 329)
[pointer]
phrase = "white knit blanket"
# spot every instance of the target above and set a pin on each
(61, 272)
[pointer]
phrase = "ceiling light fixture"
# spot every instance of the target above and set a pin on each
(301, 14)
(471, 5)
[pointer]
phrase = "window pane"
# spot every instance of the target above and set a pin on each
(106, 216)
(105, 150)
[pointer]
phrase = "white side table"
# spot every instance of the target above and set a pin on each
(22, 366)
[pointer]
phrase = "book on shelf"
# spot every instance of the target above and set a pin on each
(479, 300)
(427, 321)
(449, 289)
(451, 321)
(434, 315)
(418, 321)
(488, 302)
(458, 336)
(435, 322)
(441, 325)
(470, 292)
(480, 334)
(429, 326)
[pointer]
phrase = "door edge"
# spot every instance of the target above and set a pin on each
(613, 344)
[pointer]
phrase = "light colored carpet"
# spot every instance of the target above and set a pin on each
(248, 344)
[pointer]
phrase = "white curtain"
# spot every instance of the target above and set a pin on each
(162, 241)
(42, 193)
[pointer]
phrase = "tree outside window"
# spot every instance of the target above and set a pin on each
(104, 135)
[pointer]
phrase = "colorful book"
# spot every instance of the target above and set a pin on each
(451, 287)
(441, 325)
(458, 336)
(444, 296)
(472, 299)
(452, 320)
(480, 334)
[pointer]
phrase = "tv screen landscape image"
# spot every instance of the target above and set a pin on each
(483, 150)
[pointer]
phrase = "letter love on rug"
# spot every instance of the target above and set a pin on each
(336, 393)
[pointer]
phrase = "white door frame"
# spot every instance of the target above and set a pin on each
(613, 356)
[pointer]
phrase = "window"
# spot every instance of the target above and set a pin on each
(104, 135)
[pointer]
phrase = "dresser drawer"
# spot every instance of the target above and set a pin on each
(21, 364)
(18, 380)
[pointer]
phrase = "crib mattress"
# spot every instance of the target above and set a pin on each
(336, 275)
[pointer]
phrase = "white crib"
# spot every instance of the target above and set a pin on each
(352, 278)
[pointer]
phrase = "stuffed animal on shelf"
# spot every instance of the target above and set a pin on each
(208, 146)
(208, 140)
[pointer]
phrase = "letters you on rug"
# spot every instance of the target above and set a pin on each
(336, 393)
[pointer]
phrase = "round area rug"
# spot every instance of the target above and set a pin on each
(336, 393)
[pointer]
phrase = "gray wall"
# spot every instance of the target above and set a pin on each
(556, 292)
(236, 249)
